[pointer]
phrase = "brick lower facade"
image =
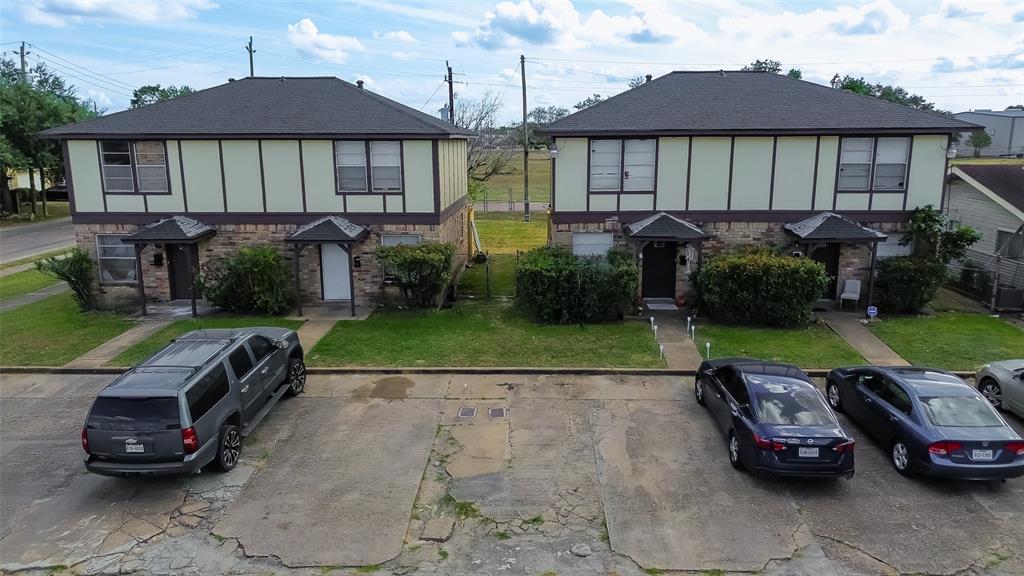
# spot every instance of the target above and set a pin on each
(367, 278)
(854, 259)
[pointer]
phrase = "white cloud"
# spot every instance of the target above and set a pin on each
(404, 55)
(59, 13)
(558, 23)
(308, 39)
(99, 97)
(397, 35)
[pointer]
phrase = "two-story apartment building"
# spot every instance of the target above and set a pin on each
(694, 163)
(317, 167)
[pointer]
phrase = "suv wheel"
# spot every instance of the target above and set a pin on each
(296, 376)
(229, 448)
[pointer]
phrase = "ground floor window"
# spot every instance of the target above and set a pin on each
(116, 260)
(591, 243)
(396, 239)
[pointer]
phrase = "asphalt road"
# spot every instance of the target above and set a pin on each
(19, 242)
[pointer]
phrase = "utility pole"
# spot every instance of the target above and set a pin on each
(248, 48)
(526, 146)
(24, 75)
(451, 94)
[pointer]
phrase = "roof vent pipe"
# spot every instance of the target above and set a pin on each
(721, 72)
(648, 78)
(360, 84)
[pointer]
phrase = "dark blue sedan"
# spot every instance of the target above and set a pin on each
(774, 419)
(930, 421)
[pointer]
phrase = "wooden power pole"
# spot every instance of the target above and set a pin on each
(451, 94)
(248, 48)
(526, 146)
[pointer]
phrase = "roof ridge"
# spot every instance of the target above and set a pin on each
(417, 115)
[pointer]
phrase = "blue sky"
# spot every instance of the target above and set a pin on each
(961, 55)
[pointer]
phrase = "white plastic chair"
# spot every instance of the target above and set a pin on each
(851, 291)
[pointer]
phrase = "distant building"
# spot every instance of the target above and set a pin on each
(1005, 127)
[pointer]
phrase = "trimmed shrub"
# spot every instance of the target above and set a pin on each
(907, 283)
(760, 287)
(420, 271)
(558, 287)
(75, 268)
(254, 279)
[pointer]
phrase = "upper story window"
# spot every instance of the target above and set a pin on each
(134, 167)
(622, 165)
(369, 166)
(874, 163)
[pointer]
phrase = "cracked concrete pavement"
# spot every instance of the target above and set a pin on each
(580, 475)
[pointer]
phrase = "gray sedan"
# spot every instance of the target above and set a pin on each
(1002, 383)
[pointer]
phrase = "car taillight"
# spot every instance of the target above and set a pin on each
(85, 441)
(844, 447)
(766, 444)
(944, 447)
(1015, 448)
(190, 440)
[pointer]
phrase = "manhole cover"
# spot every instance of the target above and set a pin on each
(467, 412)
(497, 412)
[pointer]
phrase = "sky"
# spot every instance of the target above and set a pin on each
(959, 54)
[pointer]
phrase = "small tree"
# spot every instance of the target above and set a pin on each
(588, 102)
(479, 116)
(933, 234)
(75, 268)
(420, 271)
(979, 140)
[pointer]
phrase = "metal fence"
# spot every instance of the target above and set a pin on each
(994, 280)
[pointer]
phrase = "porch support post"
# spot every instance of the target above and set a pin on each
(351, 278)
(871, 273)
(298, 283)
(193, 257)
(138, 277)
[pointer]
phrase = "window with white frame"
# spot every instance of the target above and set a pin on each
(874, 163)
(134, 167)
(368, 166)
(116, 260)
(591, 243)
(398, 239)
(622, 165)
(1010, 244)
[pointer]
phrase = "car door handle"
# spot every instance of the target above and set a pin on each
(734, 412)
(867, 400)
(245, 389)
(265, 370)
(893, 419)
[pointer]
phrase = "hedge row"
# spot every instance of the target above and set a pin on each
(558, 287)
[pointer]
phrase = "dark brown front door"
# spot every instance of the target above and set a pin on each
(178, 270)
(829, 256)
(659, 270)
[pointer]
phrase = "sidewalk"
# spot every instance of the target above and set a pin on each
(848, 327)
(110, 349)
(320, 319)
(680, 351)
(32, 297)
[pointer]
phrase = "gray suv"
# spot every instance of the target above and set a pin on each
(191, 403)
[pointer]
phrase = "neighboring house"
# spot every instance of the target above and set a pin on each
(311, 166)
(1005, 127)
(990, 199)
(744, 158)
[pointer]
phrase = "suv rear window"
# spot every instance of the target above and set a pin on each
(134, 414)
(207, 392)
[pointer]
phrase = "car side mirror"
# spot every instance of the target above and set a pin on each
(1018, 376)
(280, 343)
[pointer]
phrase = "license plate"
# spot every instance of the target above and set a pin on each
(981, 454)
(808, 453)
(134, 448)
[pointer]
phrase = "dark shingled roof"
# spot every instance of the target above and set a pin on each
(667, 226)
(831, 227)
(173, 229)
(1004, 180)
(745, 102)
(328, 229)
(270, 107)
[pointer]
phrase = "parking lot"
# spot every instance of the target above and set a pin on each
(548, 475)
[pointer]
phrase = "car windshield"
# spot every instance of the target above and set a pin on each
(134, 414)
(963, 411)
(788, 406)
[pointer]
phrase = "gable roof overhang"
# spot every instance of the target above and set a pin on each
(831, 227)
(1010, 198)
(172, 230)
(328, 230)
(664, 226)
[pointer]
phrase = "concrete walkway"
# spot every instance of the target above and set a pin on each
(320, 319)
(32, 297)
(848, 326)
(110, 349)
(680, 351)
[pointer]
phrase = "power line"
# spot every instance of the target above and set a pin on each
(186, 63)
(85, 70)
(441, 83)
(721, 64)
(166, 56)
(67, 71)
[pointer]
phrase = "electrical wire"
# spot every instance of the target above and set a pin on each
(436, 90)
(85, 70)
(66, 71)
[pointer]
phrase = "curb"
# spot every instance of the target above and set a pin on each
(812, 372)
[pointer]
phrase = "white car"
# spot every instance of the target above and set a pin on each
(1002, 383)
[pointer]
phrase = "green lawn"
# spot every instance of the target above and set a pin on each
(811, 347)
(511, 179)
(52, 332)
(141, 350)
(482, 334)
(952, 341)
(23, 283)
(504, 233)
(55, 209)
(503, 277)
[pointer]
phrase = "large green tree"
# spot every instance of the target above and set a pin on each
(155, 93)
(887, 92)
(773, 67)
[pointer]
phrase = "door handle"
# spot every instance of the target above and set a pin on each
(893, 419)
(734, 412)
(265, 370)
(867, 400)
(245, 389)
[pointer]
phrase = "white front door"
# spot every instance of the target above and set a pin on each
(334, 266)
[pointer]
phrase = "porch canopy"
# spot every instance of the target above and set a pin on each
(664, 226)
(828, 227)
(326, 230)
(171, 230)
